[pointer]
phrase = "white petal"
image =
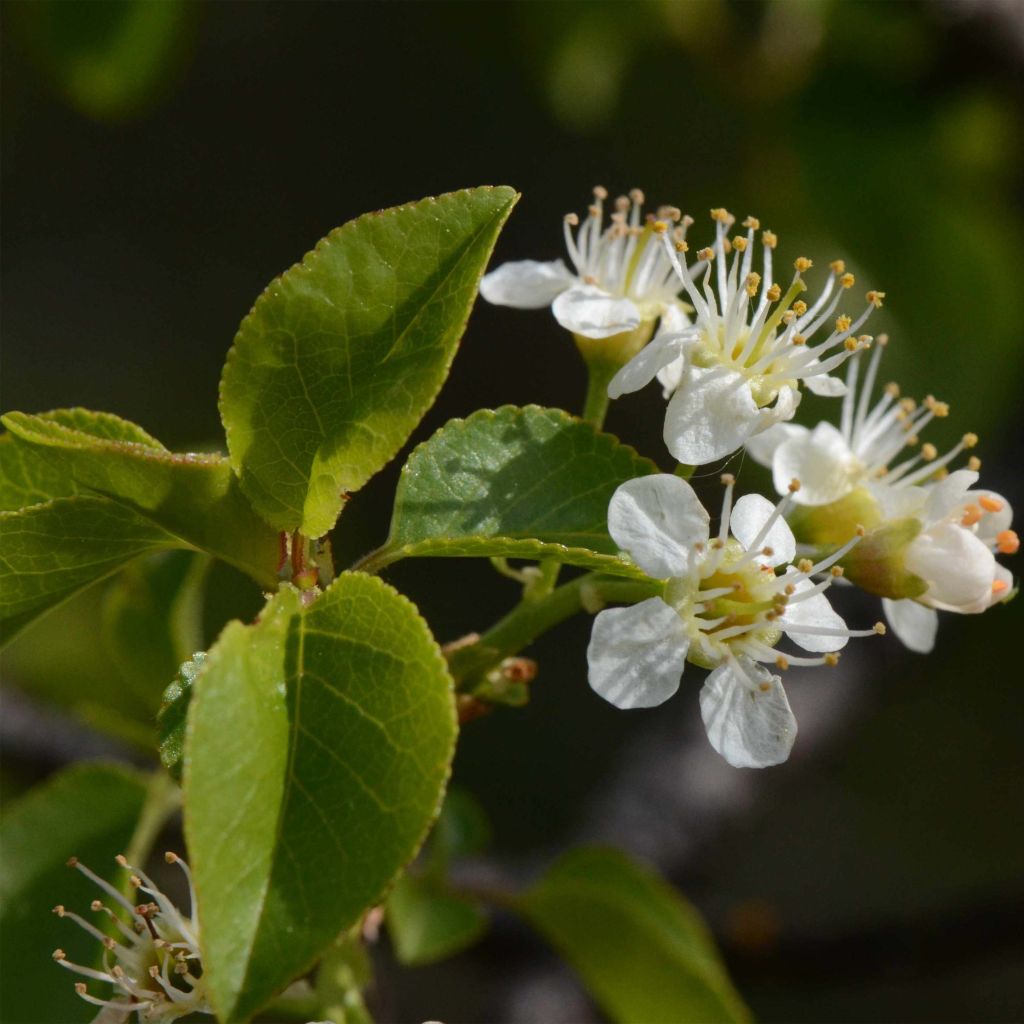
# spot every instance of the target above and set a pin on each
(948, 496)
(812, 611)
(823, 463)
(592, 312)
(825, 386)
(747, 716)
(958, 568)
(913, 623)
(657, 519)
(749, 515)
(899, 502)
(526, 284)
(637, 654)
(674, 321)
(1002, 586)
(711, 415)
(762, 446)
(647, 363)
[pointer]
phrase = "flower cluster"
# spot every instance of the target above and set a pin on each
(150, 951)
(863, 500)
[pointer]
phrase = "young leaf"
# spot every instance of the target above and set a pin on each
(319, 742)
(55, 549)
(28, 477)
(640, 949)
(194, 496)
(88, 811)
(526, 483)
(343, 354)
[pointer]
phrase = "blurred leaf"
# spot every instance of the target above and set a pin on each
(109, 58)
(194, 496)
(462, 830)
(343, 353)
(526, 483)
(173, 716)
(88, 811)
(55, 549)
(641, 950)
(319, 742)
(427, 923)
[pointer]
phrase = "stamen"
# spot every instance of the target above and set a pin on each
(1007, 542)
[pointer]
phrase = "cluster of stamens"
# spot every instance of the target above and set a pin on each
(744, 609)
(625, 258)
(774, 345)
(877, 435)
(150, 949)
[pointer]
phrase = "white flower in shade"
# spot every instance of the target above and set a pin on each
(728, 601)
(150, 957)
(831, 461)
(622, 277)
(737, 369)
(954, 554)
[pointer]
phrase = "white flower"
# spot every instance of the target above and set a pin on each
(832, 461)
(954, 554)
(727, 602)
(623, 277)
(737, 369)
(151, 960)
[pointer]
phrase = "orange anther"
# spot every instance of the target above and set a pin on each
(971, 515)
(998, 586)
(1008, 542)
(990, 504)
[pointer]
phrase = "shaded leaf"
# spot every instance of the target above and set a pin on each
(527, 483)
(319, 742)
(195, 496)
(427, 923)
(641, 950)
(343, 354)
(28, 477)
(88, 811)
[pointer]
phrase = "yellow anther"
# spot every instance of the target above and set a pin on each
(774, 293)
(883, 340)
(851, 344)
(672, 213)
(794, 485)
(726, 246)
(722, 215)
(594, 211)
(876, 298)
(843, 323)
(799, 307)
(974, 463)
(837, 267)
(937, 408)
(788, 317)
(753, 283)
(1007, 542)
(767, 552)
(790, 589)
(727, 479)
(831, 660)
(805, 565)
(802, 264)
(837, 571)
(637, 196)
(908, 404)
(752, 222)
(770, 239)
(782, 663)
(59, 910)
(739, 243)
(799, 339)
(59, 954)
(707, 254)
(929, 451)
(764, 687)
(659, 227)
(970, 440)
(892, 389)
(880, 629)
(912, 440)
(847, 280)
(860, 531)
(682, 247)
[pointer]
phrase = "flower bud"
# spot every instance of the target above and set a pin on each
(878, 563)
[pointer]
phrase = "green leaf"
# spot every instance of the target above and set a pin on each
(462, 830)
(88, 811)
(173, 715)
(525, 483)
(427, 923)
(194, 496)
(343, 354)
(28, 477)
(319, 743)
(52, 550)
(642, 951)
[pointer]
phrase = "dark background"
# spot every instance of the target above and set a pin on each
(160, 168)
